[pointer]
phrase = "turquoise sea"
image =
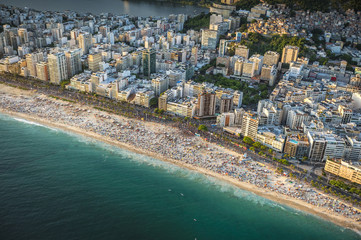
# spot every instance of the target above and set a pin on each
(57, 185)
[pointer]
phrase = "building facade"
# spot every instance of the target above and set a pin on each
(290, 54)
(57, 67)
(344, 170)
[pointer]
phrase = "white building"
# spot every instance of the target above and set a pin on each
(160, 85)
(57, 67)
(226, 119)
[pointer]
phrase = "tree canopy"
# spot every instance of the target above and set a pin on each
(260, 44)
(196, 23)
(203, 128)
(319, 5)
(248, 140)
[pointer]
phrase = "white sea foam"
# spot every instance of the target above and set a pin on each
(28, 122)
(8, 117)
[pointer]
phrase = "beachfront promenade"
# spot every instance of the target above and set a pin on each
(170, 143)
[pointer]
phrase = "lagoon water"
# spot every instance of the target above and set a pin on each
(142, 8)
(58, 185)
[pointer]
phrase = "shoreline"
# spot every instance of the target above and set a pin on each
(273, 196)
(205, 7)
(70, 117)
(184, 2)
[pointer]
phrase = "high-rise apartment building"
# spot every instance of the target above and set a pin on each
(238, 67)
(226, 103)
(23, 35)
(269, 74)
(317, 147)
(352, 149)
(238, 116)
(209, 39)
(295, 118)
(237, 99)
(163, 100)
(248, 69)
(258, 61)
(346, 114)
(325, 146)
(297, 146)
(335, 147)
(271, 58)
(57, 67)
(74, 34)
(355, 81)
(94, 81)
(42, 71)
(31, 60)
(250, 124)
(104, 30)
(215, 18)
(160, 85)
(93, 61)
(222, 47)
(242, 51)
(182, 18)
(290, 54)
(149, 62)
(11, 38)
(73, 61)
(206, 105)
(194, 56)
(170, 37)
(85, 42)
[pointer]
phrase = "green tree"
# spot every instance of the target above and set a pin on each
(243, 27)
(257, 144)
(246, 4)
(64, 83)
(323, 60)
(154, 102)
(263, 87)
(248, 140)
(202, 128)
(197, 22)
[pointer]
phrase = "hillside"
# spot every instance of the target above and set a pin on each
(319, 5)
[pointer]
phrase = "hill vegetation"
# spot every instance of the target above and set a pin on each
(197, 22)
(319, 5)
(260, 44)
(313, 5)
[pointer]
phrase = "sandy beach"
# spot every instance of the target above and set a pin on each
(169, 144)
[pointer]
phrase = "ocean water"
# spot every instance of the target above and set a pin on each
(142, 8)
(58, 185)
